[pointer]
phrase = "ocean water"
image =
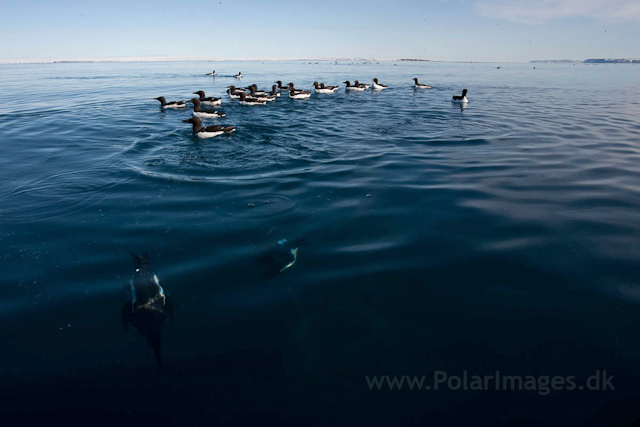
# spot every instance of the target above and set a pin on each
(501, 237)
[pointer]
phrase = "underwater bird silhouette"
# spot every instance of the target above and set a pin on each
(148, 309)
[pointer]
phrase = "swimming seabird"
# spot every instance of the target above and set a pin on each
(364, 85)
(281, 87)
(255, 89)
(274, 91)
(322, 86)
(234, 92)
(198, 112)
(250, 101)
(354, 88)
(378, 86)
(213, 73)
(319, 89)
(461, 99)
(239, 75)
(298, 94)
(209, 131)
(419, 86)
(263, 96)
(207, 101)
(172, 104)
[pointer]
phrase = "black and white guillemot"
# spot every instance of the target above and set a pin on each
(234, 92)
(209, 131)
(353, 88)
(255, 90)
(262, 95)
(298, 94)
(322, 86)
(327, 89)
(419, 86)
(207, 100)
(274, 91)
(206, 114)
(460, 99)
(282, 87)
(378, 86)
(244, 100)
(172, 104)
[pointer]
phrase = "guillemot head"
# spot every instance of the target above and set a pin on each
(464, 92)
(192, 120)
(375, 80)
(200, 92)
(161, 99)
(196, 104)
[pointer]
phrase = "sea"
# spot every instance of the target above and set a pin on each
(357, 258)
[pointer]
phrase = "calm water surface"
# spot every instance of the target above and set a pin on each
(504, 236)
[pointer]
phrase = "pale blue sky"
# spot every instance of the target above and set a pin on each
(455, 30)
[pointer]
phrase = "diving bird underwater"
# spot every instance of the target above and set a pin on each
(277, 258)
(148, 308)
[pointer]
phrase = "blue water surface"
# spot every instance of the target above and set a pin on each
(502, 236)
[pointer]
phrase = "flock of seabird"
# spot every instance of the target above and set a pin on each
(250, 95)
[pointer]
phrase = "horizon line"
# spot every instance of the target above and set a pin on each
(201, 59)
